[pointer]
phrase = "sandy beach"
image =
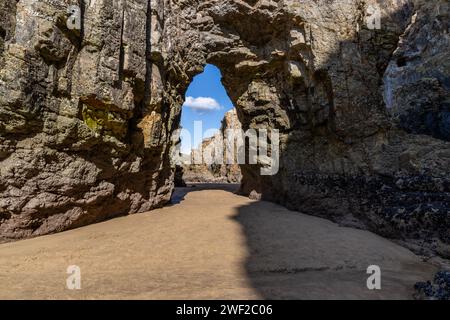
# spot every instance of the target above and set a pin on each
(210, 244)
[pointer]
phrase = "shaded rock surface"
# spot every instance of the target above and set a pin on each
(417, 82)
(87, 117)
(439, 289)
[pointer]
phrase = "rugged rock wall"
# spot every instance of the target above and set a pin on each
(313, 70)
(86, 118)
(85, 130)
(417, 82)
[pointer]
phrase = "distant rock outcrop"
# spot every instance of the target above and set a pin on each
(218, 172)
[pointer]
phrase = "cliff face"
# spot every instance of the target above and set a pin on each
(87, 117)
(85, 131)
(215, 170)
(416, 82)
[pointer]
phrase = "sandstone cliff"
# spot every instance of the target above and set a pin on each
(87, 117)
(85, 130)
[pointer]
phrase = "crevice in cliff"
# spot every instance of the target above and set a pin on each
(82, 5)
(142, 89)
(120, 75)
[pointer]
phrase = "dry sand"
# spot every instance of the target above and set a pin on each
(213, 244)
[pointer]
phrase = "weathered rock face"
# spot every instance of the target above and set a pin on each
(215, 169)
(84, 131)
(439, 289)
(417, 82)
(86, 118)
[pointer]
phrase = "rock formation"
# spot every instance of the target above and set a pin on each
(439, 289)
(87, 116)
(215, 170)
(85, 131)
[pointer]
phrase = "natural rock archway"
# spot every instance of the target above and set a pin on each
(87, 117)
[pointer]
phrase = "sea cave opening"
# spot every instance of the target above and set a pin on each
(207, 114)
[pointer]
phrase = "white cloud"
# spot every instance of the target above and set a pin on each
(202, 104)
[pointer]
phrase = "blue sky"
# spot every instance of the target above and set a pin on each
(206, 101)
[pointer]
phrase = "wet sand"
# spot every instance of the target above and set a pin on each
(210, 244)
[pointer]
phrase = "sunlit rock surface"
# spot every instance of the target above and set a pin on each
(87, 117)
(218, 154)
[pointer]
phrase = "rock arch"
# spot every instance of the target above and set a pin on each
(87, 117)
